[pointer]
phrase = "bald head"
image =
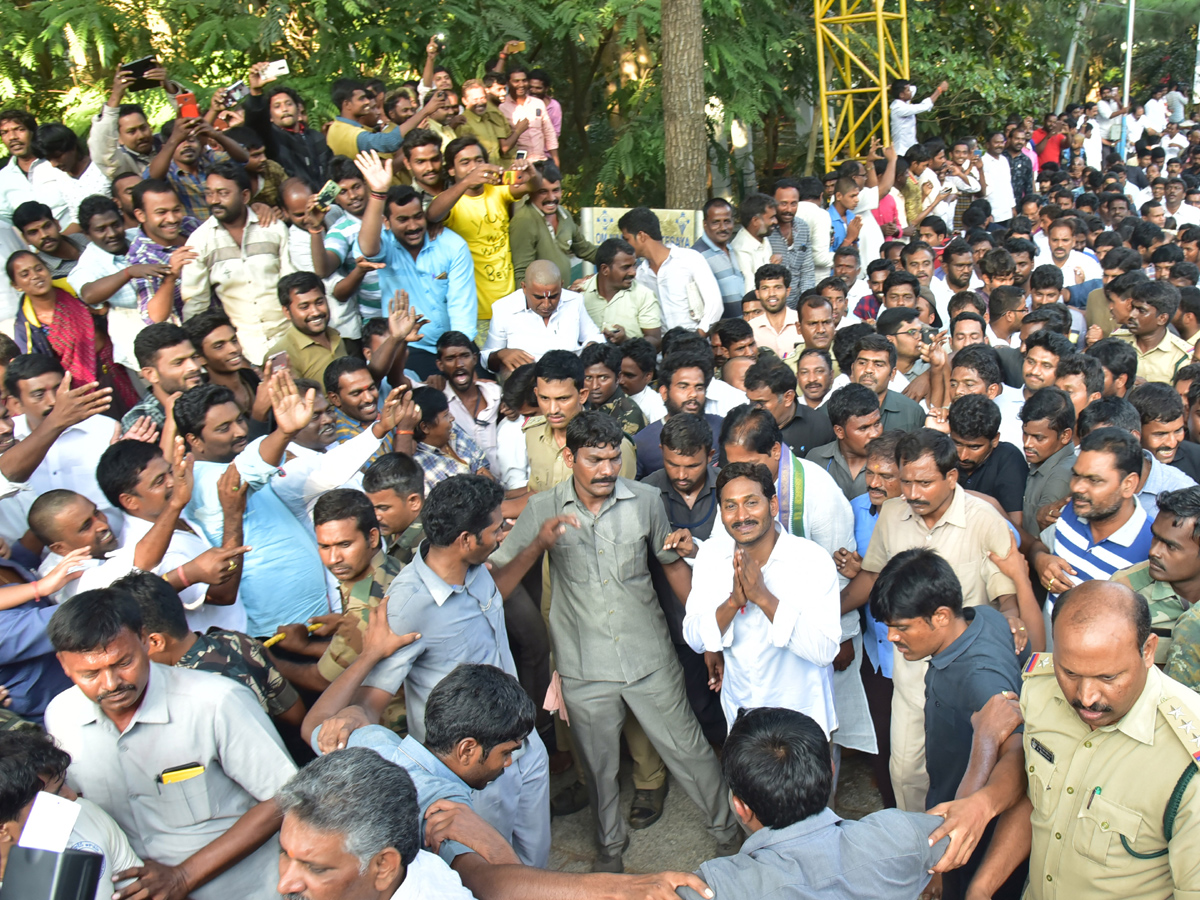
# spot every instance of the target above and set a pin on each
(1103, 650)
(66, 521)
(294, 194)
(1102, 607)
(734, 371)
(543, 274)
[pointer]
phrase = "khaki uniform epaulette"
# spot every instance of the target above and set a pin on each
(1185, 724)
(534, 422)
(1039, 664)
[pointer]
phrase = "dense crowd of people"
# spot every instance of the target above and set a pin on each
(338, 514)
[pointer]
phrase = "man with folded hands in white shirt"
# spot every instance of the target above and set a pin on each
(779, 643)
(541, 316)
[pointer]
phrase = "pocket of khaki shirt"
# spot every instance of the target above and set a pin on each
(1102, 823)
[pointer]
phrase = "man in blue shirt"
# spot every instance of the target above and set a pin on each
(449, 598)
(971, 660)
(28, 667)
(437, 273)
(283, 580)
(883, 483)
(780, 774)
(476, 722)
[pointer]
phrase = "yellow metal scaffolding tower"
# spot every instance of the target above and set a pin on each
(862, 46)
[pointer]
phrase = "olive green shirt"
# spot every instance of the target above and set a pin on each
(307, 358)
(490, 128)
(606, 623)
(635, 309)
(530, 239)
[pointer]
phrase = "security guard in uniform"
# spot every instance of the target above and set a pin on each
(1111, 750)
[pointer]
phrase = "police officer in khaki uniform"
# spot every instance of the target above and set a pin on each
(1111, 749)
(561, 396)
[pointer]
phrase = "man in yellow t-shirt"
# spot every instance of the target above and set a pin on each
(476, 207)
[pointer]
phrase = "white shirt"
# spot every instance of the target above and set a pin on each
(1011, 400)
(1075, 259)
(74, 190)
(1105, 111)
(995, 340)
(71, 462)
(1156, 115)
(686, 288)
(721, 397)
(997, 173)
(870, 236)
(1174, 144)
(96, 832)
(43, 184)
(785, 662)
(904, 122)
(427, 877)
(310, 473)
(344, 317)
(651, 404)
(1185, 215)
(183, 548)
(748, 254)
(516, 326)
(942, 294)
(820, 233)
(511, 454)
(945, 209)
(95, 263)
(483, 435)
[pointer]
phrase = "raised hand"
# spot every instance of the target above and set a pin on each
(292, 412)
(143, 429)
(380, 641)
(376, 173)
(403, 318)
(398, 409)
(181, 470)
(73, 405)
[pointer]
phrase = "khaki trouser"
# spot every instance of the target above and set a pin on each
(909, 778)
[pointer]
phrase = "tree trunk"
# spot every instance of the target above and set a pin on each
(683, 103)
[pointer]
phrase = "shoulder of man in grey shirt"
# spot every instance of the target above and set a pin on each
(884, 856)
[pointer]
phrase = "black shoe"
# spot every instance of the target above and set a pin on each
(569, 800)
(647, 807)
(612, 864)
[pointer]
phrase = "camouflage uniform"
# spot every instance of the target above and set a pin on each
(627, 413)
(403, 547)
(1165, 609)
(243, 659)
(10, 721)
(359, 599)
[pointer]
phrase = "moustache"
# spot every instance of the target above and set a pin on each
(604, 481)
(745, 522)
(116, 692)
(1095, 707)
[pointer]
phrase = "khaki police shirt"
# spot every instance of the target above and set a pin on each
(1090, 789)
(546, 465)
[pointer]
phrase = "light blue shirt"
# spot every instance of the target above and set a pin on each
(432, 778)
(875, 640)
(283, 580)
(1160, 478)
(884, 856)
(458, 623)
(379, 141)
(440, 283)
(839, 227)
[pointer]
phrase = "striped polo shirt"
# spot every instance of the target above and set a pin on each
(1125, 547)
